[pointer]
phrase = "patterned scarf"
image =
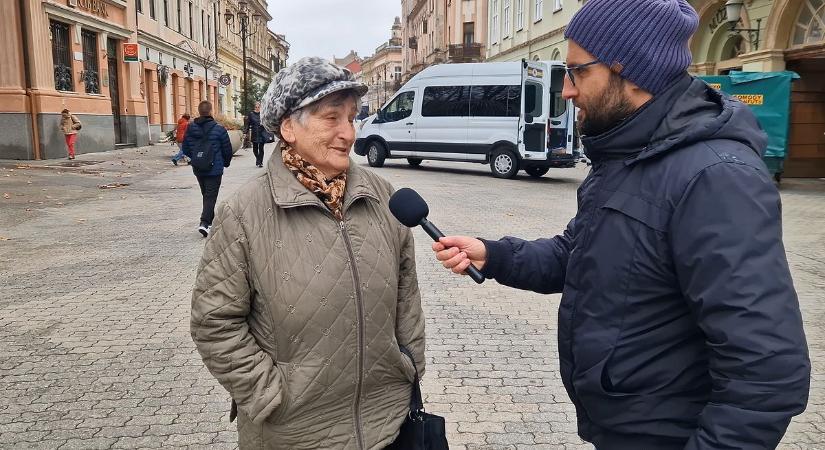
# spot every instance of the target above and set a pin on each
(331, 192)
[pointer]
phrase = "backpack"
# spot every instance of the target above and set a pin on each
(203, 156)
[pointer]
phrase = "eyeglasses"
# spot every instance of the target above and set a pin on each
(578, 67)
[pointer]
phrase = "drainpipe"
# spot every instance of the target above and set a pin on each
(26, 70)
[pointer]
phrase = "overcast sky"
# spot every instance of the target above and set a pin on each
(333, 27)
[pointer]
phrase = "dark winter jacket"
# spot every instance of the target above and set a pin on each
(252, 123)
(218, 139)
(679, 326)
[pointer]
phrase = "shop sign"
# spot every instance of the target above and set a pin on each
(719, 19)
(751, 99)
(225, 80)
(96, 7)
(717, 86)
(130, 52)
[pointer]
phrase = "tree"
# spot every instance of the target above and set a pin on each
(256, 93)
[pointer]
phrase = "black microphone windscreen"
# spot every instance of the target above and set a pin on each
(408, 207)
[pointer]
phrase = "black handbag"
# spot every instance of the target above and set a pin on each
(421, 430)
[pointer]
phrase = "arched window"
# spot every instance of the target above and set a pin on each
(734, 47)
(536, 58)
(810, 23)
(556, 55)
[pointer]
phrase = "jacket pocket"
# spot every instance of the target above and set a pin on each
(281, 411)
(638, 209)
(407, 364)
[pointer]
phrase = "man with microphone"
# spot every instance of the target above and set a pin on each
(679, 325)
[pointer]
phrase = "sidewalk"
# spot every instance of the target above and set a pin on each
(28, 187)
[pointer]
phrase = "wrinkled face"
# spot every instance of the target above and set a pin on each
(601, 95)
(324, 135)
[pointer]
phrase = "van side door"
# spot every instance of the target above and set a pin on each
(559, 129)
(442, 126)
(534, 112)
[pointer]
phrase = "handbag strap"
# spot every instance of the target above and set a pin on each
(416, 402)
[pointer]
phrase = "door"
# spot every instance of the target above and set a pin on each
(559, 131)
(534, 111)
(442, 126)
(114, 87)
(397, 122)
(806, 146)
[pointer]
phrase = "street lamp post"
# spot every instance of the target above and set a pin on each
(247, 26)
(733, 8)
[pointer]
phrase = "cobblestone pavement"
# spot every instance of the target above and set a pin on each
(94, 301)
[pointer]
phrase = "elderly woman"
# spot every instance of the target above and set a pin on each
(307, 289)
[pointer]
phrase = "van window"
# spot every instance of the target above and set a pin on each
(558, 104)
(495, 101)
(400, 108)
(446, 101)
(532, 99)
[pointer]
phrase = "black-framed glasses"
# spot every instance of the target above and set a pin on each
(571, 69)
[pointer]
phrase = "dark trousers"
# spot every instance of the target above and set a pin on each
(209, 189)
(258, 150)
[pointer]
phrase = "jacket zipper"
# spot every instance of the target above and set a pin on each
(359, 304)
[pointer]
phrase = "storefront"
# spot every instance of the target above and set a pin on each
(791, 36)
(68, 54)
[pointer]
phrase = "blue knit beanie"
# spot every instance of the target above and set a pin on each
(646, 41)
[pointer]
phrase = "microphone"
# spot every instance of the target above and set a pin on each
(411, 210)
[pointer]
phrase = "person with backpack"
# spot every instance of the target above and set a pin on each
(207, 145)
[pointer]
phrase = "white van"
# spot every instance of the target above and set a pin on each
(510, 115)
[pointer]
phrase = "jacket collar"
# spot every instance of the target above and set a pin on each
(633, 135)
(288, 192)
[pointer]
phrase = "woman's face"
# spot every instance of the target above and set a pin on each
(326, 135)
(257, 106)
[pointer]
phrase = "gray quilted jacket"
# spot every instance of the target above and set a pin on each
(300, 316)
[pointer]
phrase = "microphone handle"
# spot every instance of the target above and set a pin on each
(436, 234)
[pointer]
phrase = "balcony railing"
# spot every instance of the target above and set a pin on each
(458, 53)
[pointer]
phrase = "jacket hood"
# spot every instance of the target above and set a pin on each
(687, 112)
(202, 120)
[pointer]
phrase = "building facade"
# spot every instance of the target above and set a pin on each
(423, 25)
(230, 53)
(68, 54)
(381, 72)
(529, 29)
(179, 60)
(791, 37)
(466, 30)
(278, 50)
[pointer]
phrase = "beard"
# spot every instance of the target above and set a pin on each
(608, 109)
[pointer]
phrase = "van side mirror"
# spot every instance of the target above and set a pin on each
(528, 118)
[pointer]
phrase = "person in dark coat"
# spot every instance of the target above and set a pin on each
(679, 325)
(208, 180)
(256, 134)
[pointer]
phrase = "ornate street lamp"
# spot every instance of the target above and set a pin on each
(244, 26)
(733, 8)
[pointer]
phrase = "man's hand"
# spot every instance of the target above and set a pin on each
(458, 252)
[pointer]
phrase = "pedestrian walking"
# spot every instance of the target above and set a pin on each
(679, 325)
(180, 133)
(306, 305)
(256, 134)
(207, 145)
(69, 126)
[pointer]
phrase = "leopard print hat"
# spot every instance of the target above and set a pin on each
(308, 80)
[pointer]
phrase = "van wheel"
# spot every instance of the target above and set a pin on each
(536, 172)
(376, 154)
(415, 162)
(504, 163)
